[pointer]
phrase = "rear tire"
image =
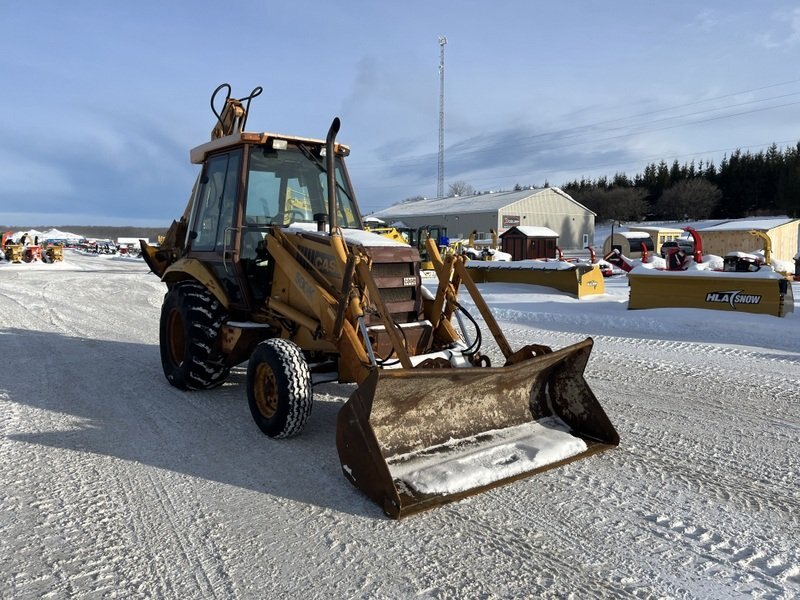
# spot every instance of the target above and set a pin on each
(191, 319)
(279, 388)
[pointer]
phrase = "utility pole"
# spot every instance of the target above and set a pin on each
(440, 181)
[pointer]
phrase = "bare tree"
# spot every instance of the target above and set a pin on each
(689, 199)
(461, 188)
(617, 203)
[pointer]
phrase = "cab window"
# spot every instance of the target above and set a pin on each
(290, 186)
(216, 203)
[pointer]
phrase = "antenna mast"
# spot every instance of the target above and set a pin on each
(440, 181)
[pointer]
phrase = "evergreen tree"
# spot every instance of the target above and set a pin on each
(675, 173)
(621, 180)
(767, 182)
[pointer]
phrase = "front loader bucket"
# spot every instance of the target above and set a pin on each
(412, 439)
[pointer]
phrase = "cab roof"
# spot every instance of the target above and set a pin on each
(199, 153)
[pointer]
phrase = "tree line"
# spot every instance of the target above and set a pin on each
(744, 184)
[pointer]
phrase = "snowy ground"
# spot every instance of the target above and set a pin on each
(114, 484)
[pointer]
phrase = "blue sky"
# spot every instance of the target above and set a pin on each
(101, 101)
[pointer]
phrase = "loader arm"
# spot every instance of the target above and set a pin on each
(318, 306)
(448, 291)
(412, 438)
(325, 316)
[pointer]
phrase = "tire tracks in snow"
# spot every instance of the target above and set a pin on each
(174, 533)
(82, 511)
(693, 473)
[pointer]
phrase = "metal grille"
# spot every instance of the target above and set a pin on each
(392, 269)
(397, 294)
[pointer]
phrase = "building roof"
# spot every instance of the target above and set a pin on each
(655, 229)
(748, 224)
(531, 231)
(489, 202)
(634, 235)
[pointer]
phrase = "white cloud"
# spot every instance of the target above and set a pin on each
(794, 22)
(783, 39)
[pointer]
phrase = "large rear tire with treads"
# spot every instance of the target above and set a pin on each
(191, 320)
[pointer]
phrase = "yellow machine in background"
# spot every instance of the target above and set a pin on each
(13, 253)
(54, 253)
(417, 238)
(391, 233)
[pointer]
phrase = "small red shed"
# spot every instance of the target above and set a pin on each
(524, 243)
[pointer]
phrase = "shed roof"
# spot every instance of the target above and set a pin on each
(531, 231)
(464, 204)
(634, 235)
(748, 224)
(655, 229)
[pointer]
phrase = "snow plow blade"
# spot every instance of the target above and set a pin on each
(412, 439)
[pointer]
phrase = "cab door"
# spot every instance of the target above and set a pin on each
(212, 230)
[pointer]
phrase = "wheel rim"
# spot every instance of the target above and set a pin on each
(177, 348)
(266, 391)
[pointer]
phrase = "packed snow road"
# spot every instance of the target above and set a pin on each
(113, 483)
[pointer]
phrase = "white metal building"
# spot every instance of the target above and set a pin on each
(539, 207)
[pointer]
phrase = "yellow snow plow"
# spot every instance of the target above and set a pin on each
(578, 279)
(747, 283)
(270, 264)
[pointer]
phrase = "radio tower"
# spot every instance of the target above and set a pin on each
(440, 181)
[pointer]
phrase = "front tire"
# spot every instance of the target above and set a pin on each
(191, 319)
(279, 388)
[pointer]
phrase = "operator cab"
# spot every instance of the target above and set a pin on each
(245, 189)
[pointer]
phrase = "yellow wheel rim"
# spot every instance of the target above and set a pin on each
(177, 347)
(266, 391)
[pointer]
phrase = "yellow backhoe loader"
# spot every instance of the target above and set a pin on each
(418, 237)
(270, 264)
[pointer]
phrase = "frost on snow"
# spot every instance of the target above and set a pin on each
(467, 464)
